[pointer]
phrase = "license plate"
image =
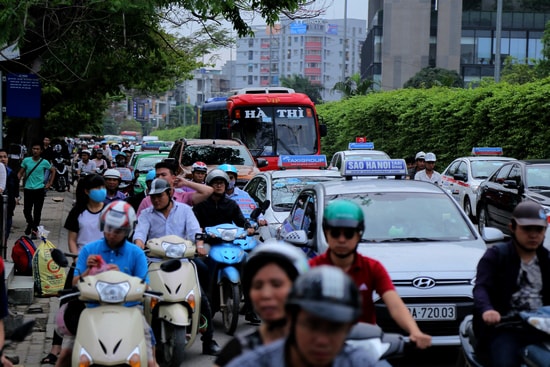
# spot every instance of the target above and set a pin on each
(432, 312)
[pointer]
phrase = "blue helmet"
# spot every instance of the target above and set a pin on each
(229, 168)
(151, 175)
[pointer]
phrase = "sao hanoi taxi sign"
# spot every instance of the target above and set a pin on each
(375, 167)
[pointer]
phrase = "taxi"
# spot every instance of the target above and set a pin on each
(415, 229)
(356, 151)
(282, 186)
(463, 176)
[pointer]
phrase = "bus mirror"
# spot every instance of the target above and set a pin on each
(323, 130)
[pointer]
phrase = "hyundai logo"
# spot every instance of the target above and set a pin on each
(423, 283)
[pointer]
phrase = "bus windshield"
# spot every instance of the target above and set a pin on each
(272, 131)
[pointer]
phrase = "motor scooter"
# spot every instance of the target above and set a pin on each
(176, 319)
(61, 182)
(382, 346)
(534, 355)
(227, 254)
(100, 340)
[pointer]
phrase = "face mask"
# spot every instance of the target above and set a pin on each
(231, 185)
(98, 195)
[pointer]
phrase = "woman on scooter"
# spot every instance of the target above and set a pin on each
(82, 224)
(267, 279)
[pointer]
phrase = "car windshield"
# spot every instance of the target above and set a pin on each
(538, 176)
(483, 169)
(146, 164)
(410, 217)
(286, 189)
(216, 155)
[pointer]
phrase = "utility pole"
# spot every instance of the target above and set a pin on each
(498, 36)
(344, 41)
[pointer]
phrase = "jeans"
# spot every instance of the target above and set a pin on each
(506, 346)
(33, 198)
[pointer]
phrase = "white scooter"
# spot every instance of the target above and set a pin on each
(175, 320)
(110, 334)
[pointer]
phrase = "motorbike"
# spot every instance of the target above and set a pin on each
(99, 339)
(227, 253)
(176, 319)
(61, 182)
(382, 346)
(534, 355)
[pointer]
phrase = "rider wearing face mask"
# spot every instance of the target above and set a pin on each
(241, 197)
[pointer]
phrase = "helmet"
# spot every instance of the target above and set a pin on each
(158, 186)
(344, 213)
(430, 157)
(229, 168)
(151, 175)
(326, 292)
(57, 148)
(288, 257)
(112, 173)
(99, 150)
(121, 154)
(217, 174)
(199, 166)
(419, 155)
(86, 151)
(118, 215)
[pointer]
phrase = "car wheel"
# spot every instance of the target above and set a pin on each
(482, 219)
(468, 208)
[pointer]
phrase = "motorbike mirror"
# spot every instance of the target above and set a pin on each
(20, 333)
(260, 210)
(265, 205)
(170, 266)
(59, 258)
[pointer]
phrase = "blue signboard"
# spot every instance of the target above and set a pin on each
(380, 167)
(23, 94)
(298, 28)
(311, 161)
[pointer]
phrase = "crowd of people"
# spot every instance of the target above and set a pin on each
(304, 308)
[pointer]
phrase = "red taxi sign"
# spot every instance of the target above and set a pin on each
(487, 151)
(302, 161)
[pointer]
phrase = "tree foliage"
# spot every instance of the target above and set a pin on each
(354, 86)
(434, 77)
(447, 121)
(303, 85)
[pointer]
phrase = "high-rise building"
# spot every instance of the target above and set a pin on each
(406, 36)
(313, 48)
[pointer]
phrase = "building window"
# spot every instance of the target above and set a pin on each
(250, 82)
(250, 68)
(250, 55)
(251, 42)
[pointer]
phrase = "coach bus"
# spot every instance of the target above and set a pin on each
(270, 122)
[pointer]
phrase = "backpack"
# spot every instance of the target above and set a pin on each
(22, 252)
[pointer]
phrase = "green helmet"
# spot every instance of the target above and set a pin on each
(343, 213)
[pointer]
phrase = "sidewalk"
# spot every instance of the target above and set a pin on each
(43, 310)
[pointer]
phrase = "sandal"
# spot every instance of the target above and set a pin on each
(49, 359)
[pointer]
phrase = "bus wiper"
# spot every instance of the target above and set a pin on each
(411, 239)
(285, 146)
(539, 187)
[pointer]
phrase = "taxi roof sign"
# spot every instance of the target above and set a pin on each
(487, 151)
(302, 161)
(366, 145)
(374, 167)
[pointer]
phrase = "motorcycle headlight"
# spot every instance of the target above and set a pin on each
(228, 234)
(540, 323)
(174, 250)
(112, 292)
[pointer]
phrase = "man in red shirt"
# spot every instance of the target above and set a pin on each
(343, 225)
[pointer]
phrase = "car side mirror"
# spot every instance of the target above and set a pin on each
(510, 184)
(460, 177)
(297, 238)
(260, 162)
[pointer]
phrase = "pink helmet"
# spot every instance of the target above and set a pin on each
(199, 166)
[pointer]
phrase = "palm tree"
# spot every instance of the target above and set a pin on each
(354, 86)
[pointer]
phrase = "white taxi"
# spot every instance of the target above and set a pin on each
(462, 177)
(356, 151)
(415, 229)
(281, 187)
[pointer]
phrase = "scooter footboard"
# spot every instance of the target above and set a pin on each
(110, 335)
(175, 314)
(230, 273)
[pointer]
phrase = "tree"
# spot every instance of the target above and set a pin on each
(303, 85)
(85, 51)
(435, 77)
(354, 86)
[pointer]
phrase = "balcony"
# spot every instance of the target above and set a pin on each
(264, 83)
(312, 71)
(264, 70)
(265, 45)
(313, 46)
(264, 57)
(312, 58)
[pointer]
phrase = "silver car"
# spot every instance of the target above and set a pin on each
(417, 231)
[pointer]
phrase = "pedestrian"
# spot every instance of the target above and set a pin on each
(268, 276)
(32, 170)
(512, 277)
(322, 306)
(429, 174)
(419, 165)
(343, 225)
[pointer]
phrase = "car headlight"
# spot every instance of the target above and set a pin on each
(112, 292)
(174, 250)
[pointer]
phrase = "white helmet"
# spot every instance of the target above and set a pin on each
(118, 215)
(430, 157)
(419, 155)
(112, 173)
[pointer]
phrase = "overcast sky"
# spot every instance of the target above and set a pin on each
(357, 9)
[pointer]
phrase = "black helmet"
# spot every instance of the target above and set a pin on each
(217, 174)
(158, 186)
(288, 257)
(328, 293)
